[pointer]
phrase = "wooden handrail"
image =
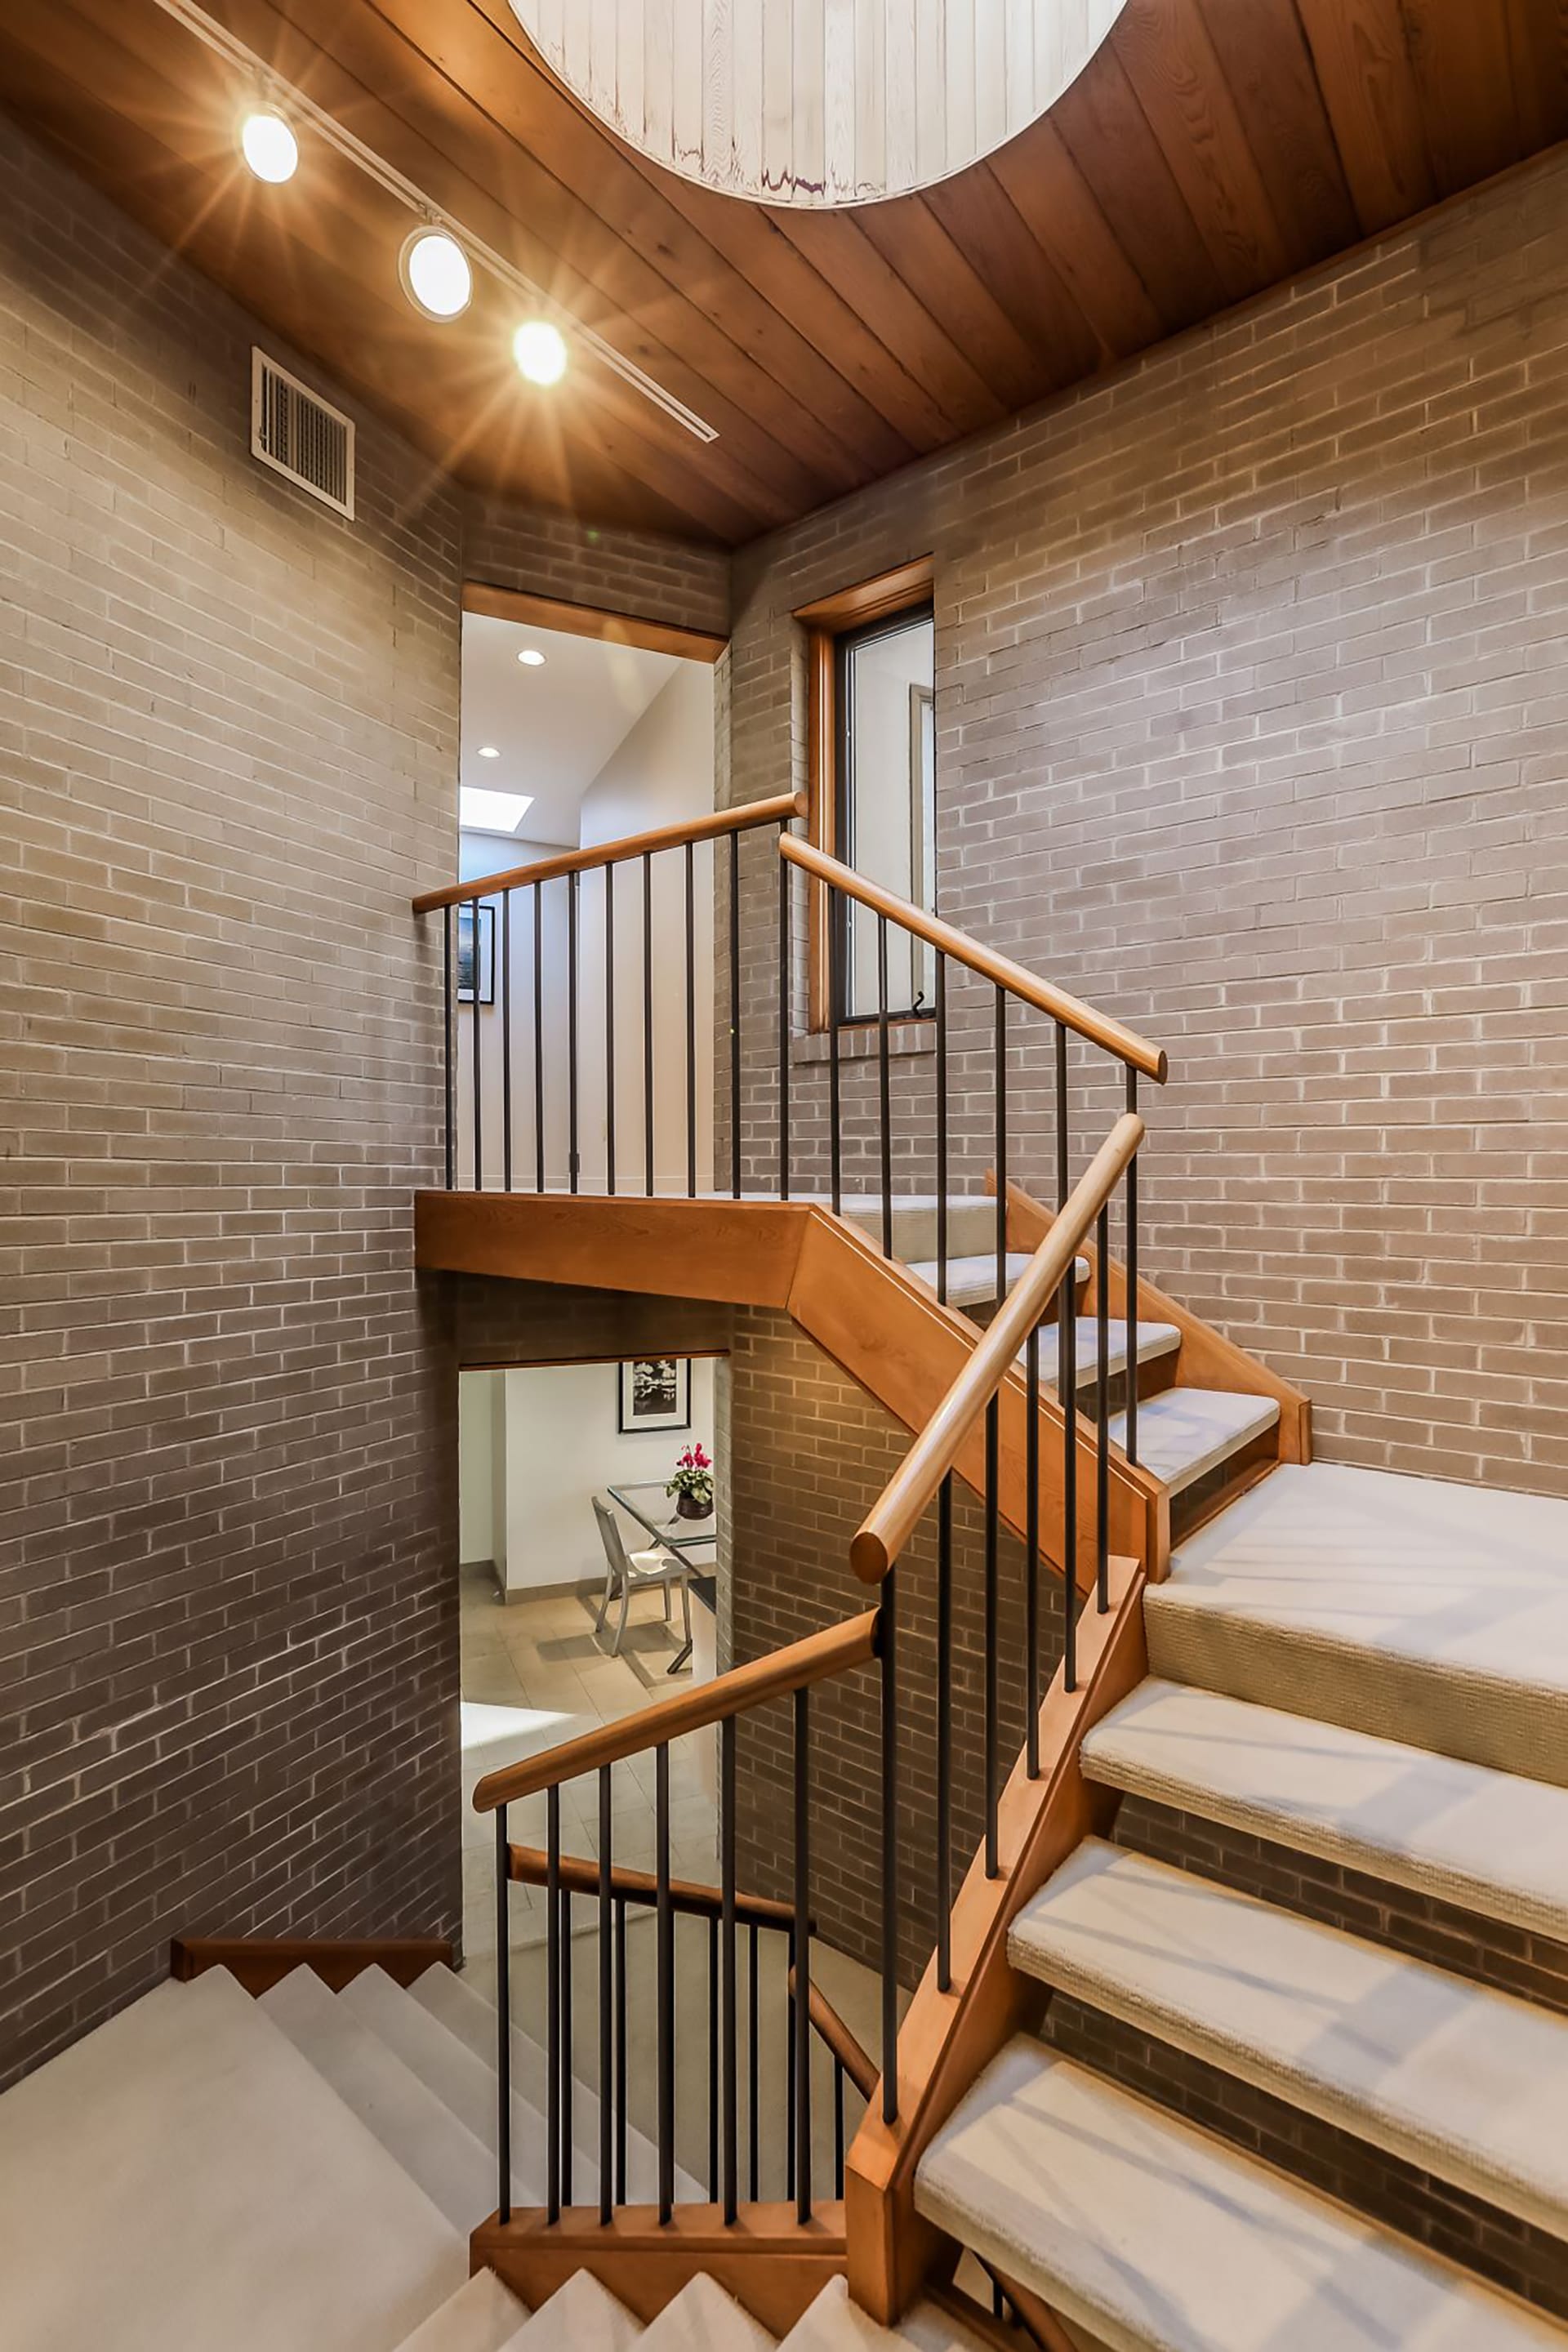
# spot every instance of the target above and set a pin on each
(579, 1874)
(856, 2060)
(897, 1513)
(1097, 1027)
(777, 811)
(832, 1651)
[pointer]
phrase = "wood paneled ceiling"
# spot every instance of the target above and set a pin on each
(1210, 149)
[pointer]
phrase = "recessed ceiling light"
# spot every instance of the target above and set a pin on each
(539, 352)
(530, 658)
(491, 812)
(436, 274)
(268, 146)
(488, 751)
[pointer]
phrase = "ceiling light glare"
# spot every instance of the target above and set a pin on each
(268, 146)
(489, 751)
(539, 352)
(530, 658)
(491, 812)
(436, 274)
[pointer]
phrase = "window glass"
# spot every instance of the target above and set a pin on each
(886, 803)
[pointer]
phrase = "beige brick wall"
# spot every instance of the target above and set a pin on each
(228, 1601)
(510, 546)
(1251, 730)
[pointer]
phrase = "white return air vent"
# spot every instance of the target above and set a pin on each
(296, 433)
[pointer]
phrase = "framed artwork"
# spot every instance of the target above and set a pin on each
(655, 1393)
(486, 953)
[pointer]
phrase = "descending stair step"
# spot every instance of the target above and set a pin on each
(482, 2316)
(703, 2318)
(971, 1223)
(1411, 1608)
(1488, 1841)
(580, 2316)
(1463, 2082)
(972, 1281)
(1186, 1431)
(1154, 1340)
(451, 2165)
(833, 2323)
(458, 2078)
(1160, 2238)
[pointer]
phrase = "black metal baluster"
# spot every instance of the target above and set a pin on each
(735, 1015)
(784, 982)
(609, 1029)
(993, 1481)
(506, 1040)
(887, 1635)
(753, 2109)
(1130, 1442)
(802, 1957)
(1001, 1145)
(538, 1037)
(1031, 1552)
(620, 2051)
(1103, 1410)
(607, 2010)
(1067, 1389)
(945, 1735)
(448, 974)
(571, 1031)
(504, 2017)
(568, 2057)
(478, 1074)
(712, 2061)
(941, 1127)
(884, 1087)
(727, 1926)
(665, 1986)
(690, 1023)
(1062, 1115)
(833, 917)
(552, 2004)
(647, 1022)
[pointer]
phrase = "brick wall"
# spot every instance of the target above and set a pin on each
(228, 1605)
(1250, 730)
(658, 579)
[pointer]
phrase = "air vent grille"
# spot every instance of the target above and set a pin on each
(298, 435)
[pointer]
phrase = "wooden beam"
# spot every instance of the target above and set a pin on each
(610, 628)
(766, 2259)
(742, 1253)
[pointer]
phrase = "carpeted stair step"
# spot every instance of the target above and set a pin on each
(448, 2163)
(580, 2316)
(971, 1223)
(972, 1281)
(1466, 2084)
(833, 2324)
(703, 2318)
(1488, 1841)
(1154, 1340)
(1160, 2238)
(482, 2316)
(1183, 1434)
(1410, 1608)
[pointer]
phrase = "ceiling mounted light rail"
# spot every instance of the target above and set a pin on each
(817, 103)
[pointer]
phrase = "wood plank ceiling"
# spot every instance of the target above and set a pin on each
(1210, 149)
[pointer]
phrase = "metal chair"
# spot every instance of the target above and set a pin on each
(629, 1572)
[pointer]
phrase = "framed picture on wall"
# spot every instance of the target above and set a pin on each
(655, 1393)
(487, 954)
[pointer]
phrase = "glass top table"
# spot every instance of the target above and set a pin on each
(647, 1502)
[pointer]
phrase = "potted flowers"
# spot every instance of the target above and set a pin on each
(693, 1484)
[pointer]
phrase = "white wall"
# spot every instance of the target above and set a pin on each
(482, 1468)
(481, 853)
(561, 1448)
(882, 838)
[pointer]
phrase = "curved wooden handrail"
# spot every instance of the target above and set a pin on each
(856, 2060)
(1099, 1027)
(579, 1874)
(777, 811)
(832, 1651)
(897, 1513)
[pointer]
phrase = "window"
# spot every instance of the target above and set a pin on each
(886, 803)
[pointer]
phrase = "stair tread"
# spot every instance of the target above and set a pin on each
(1156, 2235)
(1488, 1841)
(832, 2323)
(704, 2318)
(579, 2317)
(1411, 1606)
(1468, 2084)
(1154, 1340)
(1182, 1432)
(191, 2122)
(482, 2316)
(412, 2124)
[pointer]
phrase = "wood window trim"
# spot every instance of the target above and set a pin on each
(591, 621)
(826, 620)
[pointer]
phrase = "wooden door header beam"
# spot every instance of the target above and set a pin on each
(592, 621)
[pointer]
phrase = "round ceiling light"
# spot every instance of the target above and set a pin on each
(879, 97)
(436, 274)
(539, 351)
(488, 751)
(530, 658)
(268, 146)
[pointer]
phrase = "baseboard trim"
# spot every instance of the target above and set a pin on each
(259, 1962)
